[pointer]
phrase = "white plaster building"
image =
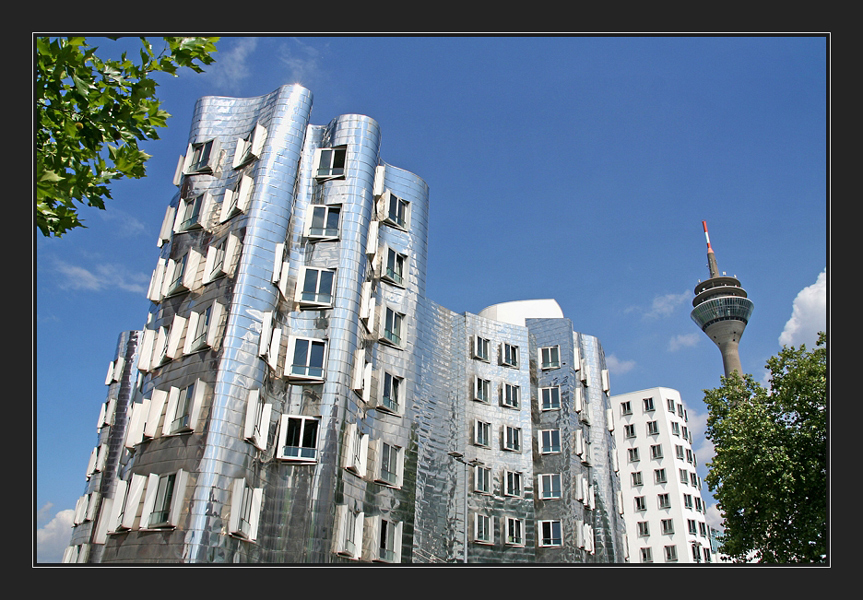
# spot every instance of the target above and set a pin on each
(662, 504)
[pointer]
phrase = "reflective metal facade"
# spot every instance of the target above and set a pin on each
(300, 400)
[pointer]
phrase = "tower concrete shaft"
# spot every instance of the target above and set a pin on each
(722, 310)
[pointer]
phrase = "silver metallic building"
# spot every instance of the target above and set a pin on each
(294, 397)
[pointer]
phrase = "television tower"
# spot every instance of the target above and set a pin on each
(721, 310)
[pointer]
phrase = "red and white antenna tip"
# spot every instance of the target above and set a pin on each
(706, 236)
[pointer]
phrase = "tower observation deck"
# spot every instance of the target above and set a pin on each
(722, 310)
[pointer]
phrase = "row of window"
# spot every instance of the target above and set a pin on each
(649, 406)
(660, 476)
(511, 532)
(670, 554)
(693, 527)
(360, 537)
(663, 500)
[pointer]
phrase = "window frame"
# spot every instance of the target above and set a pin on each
(513, 484)
(510, 396)
(514, 531)
(549, 441)
(306, 371)
(482, 433)
(551, 399)
(509, 355)
(550, 486)
(550, 533)
(553, 357)
(480, 348)
(395, 269)
(318, 297)
(511, 441)
(302, 453)
(336, 159)
(325, 232)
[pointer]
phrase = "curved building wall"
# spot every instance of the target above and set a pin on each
(299, 400)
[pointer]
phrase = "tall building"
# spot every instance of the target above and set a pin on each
(721, 310)
(295, 397)
(663, 508)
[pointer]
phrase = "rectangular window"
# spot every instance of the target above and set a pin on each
(393, 327)
(390, 464)
(640, 503)
(687, 500)
(395, 270)
(652, 428)
(482, 433)
(330, 162)
(199, 160)
(550, 398)
(646, 555)
(249, 147)
(511, 395)
(189, 214)
(512, 483)
(663, 501)
(684, 476)
(678, 451)
(164, 495)
(480, 348)
(656, 451)
(182, 416)
(643, 529)
(626, 408)
(483, 532)
(670, 402)
(549, 441)
(316, 288)
(549, 486)
(671, 554)
(397, 212)
(648, 404)
(659, 476)
(514, 531)
(629, 431)
(482, 479)
(307, 359)
(323, 222)
(550, 357)
(509, 355)
(349, 532)
(392, 392)
(636, 478)
(632, 454)
(550, 533)
(675, 428)
(512, 439)
(482, 390)
(298, 438)
(245, 510)
(389, 541)
(667, 526)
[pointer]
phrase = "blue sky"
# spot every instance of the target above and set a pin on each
(574, 168)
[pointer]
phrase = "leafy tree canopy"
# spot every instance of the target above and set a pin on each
(90, 115)
(769, 472)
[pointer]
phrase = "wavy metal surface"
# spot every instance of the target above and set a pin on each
(434, 503)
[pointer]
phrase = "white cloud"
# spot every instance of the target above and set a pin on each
(302, 60)
(103, 276)
(662, 306)
(617, 366)
(232, 62)
(713, 517)
(808, 315)
(52, 539)
(687, 340)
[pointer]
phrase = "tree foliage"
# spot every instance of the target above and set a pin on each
(90, 115)
(769, 472)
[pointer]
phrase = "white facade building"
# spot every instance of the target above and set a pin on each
(663, 509)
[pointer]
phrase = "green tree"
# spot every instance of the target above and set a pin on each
(90, 115)
(769, 472)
